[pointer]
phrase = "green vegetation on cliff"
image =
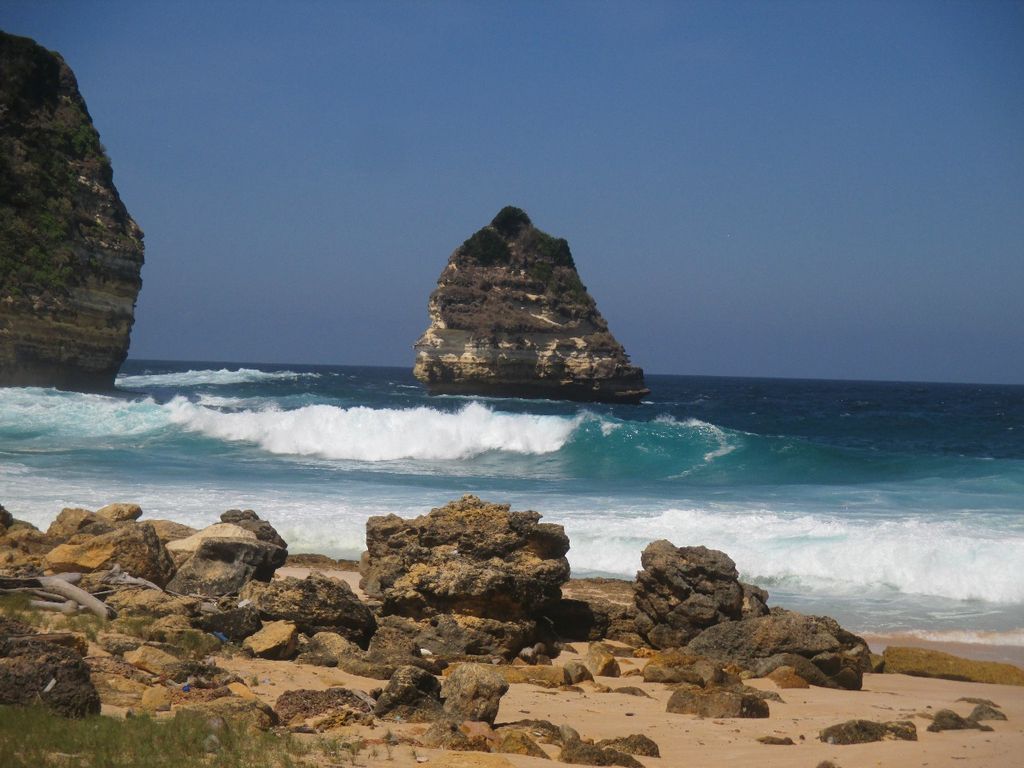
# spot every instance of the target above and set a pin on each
(47, 142)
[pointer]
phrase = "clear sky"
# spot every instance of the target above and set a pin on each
(806, 189)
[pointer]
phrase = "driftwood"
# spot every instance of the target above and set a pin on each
(68, 606)
(53, 589)
(116, 576)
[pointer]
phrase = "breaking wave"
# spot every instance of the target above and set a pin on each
(220, 377)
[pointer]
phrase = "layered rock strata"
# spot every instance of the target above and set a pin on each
(511, 318)
(70, 255)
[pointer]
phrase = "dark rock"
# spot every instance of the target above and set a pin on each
(236, 623)
(632, 690)
(32, 671)
(473, 692)
(510, 318)
(246, 518)
(683, 590)
(315, 604)
(447, 734)
(6, 518)
(411, 695)
(71, 255)
(579, 620)
(803, 667)
(577, 752)
(755, 601)
(715, 702)
(577, 672)
(948, 720)
(300, 704)
(839, 655)
(516, 742)
(976, 700)
(778, 741)
(635, 744)
(223, 566)
(475, 576)
(864, 731)
(674, 666)
(985, 712)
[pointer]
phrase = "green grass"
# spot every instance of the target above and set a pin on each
(34, 738)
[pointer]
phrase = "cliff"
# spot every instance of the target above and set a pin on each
(511, 318)
(70, 255)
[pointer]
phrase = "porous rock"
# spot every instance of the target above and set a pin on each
(948, 720)
(411, 695)
(135, 547)
(478, 572)
(315, 604)
(33, 671)
(634, 744)
(681, 591)
(865, 731)
(252, 712)
(601, 661)
(250, 521)
(840, 655)
(473, 692)
(716, 702)
(299, 704)
(578, 752)
(223, 566)
(119, 512)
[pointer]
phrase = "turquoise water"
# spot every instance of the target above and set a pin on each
(890, 506)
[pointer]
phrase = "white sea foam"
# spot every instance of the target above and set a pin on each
(1012, 637)
(49, 414)
(950, 559)
(379, 434)
(208, 377)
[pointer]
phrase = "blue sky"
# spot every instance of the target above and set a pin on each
(816, 189)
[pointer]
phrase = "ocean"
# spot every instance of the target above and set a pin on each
(895, 507)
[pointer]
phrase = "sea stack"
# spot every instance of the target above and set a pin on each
(70, 255)
(511, 318)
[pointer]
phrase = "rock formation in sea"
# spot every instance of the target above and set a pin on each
(511, 318)
(70, 255)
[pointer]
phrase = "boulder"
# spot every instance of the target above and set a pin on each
(297, 705)
(840, 655)
(921, 662)
(516, 742)
(182, 548)
(33, 671)
(156, 698)
(716, 702)
(6, 519)
(250, 521)
(469, 559)
(578, 752)
(117, 691)
(235, 624)
(328, 649)
(948, 720)
(74, 520)
(577, 672)
(277, 640)
(135, 547)
(411, 695)
(601, 661)
(452, 736)
(473, 692)
(683, 590)
(674, 666)
(985, 711)
(865, 731)
(635, 744)
(316, 604)
(223, 566)
(119, 513)
(786, 677)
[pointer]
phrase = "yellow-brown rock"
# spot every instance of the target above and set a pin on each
(134, 547)
(786, 677)
(151, 659)
(922, 662)
(543, 675)
(156, 698)
(601, 661)
(277, 640)
(119, 513)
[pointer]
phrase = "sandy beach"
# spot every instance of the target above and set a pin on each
(686, 740)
